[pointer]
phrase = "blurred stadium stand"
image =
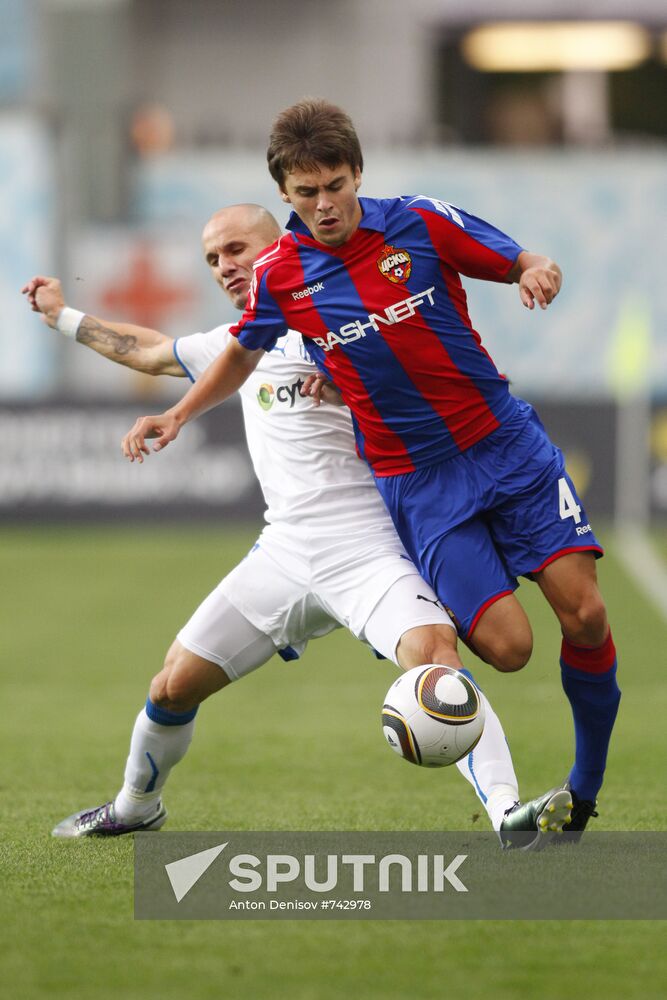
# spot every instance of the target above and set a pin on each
(125, 123)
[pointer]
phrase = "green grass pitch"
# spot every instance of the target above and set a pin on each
(87, 615)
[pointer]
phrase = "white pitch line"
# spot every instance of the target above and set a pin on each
(641, 563)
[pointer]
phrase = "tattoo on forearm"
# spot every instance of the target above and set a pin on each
(105, 340)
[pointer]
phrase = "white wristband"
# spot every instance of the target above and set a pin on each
(69, 321)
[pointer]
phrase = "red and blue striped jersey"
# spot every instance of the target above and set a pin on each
(385, 317)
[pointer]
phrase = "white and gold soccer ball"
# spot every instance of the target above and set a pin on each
(433, 715)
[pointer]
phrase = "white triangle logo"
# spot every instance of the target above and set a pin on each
(186, 871)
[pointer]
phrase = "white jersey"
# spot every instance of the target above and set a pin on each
(330, 555)
(304, 455)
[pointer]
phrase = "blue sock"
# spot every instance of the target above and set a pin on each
(165, 717)
(589, 681)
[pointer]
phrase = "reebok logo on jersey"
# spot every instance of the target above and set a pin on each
(393, 314)
(395, 264)
(310, 290)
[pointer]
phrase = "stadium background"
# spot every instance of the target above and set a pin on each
(123, 125)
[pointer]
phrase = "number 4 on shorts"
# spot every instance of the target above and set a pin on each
(567, 505)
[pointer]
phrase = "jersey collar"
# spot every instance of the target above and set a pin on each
(372, 217)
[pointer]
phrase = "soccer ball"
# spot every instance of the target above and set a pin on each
(432, 715)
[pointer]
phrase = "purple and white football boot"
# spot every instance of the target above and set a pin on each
(102, 822)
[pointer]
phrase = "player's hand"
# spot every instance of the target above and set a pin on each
(45, 296)
(163, 428)
(540, 284)
(321, 390)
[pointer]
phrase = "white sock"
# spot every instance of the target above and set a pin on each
(154, 750)
(489, 769)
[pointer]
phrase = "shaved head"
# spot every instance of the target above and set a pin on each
(248, 217)
(233, 238)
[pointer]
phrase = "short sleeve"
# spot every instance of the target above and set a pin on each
(196, 352)
(262, 322)
(466, 243)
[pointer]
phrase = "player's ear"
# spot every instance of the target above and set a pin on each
(284, 195)
(357, 178)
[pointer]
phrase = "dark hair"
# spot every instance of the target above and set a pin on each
(311, 133)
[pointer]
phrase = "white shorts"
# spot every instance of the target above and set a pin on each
(294, 587)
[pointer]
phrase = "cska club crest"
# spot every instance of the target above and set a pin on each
(395, 264)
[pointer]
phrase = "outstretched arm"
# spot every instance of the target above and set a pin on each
(220, 380)
(539, 279)
(136, 347)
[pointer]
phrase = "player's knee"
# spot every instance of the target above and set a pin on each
(186, 680)
(182, 695)
(440, 652)
(173, 692)
(511, 661)
(509, 654)
(173, 688)
(158, 690)
(508, 649)
(587, 624)
(503, 636)
(428, 644)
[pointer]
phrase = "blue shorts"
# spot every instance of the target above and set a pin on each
(503, 508)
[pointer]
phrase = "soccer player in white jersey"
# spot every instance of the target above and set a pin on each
(329, 555)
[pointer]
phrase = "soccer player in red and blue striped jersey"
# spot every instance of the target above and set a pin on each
(477, 491)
